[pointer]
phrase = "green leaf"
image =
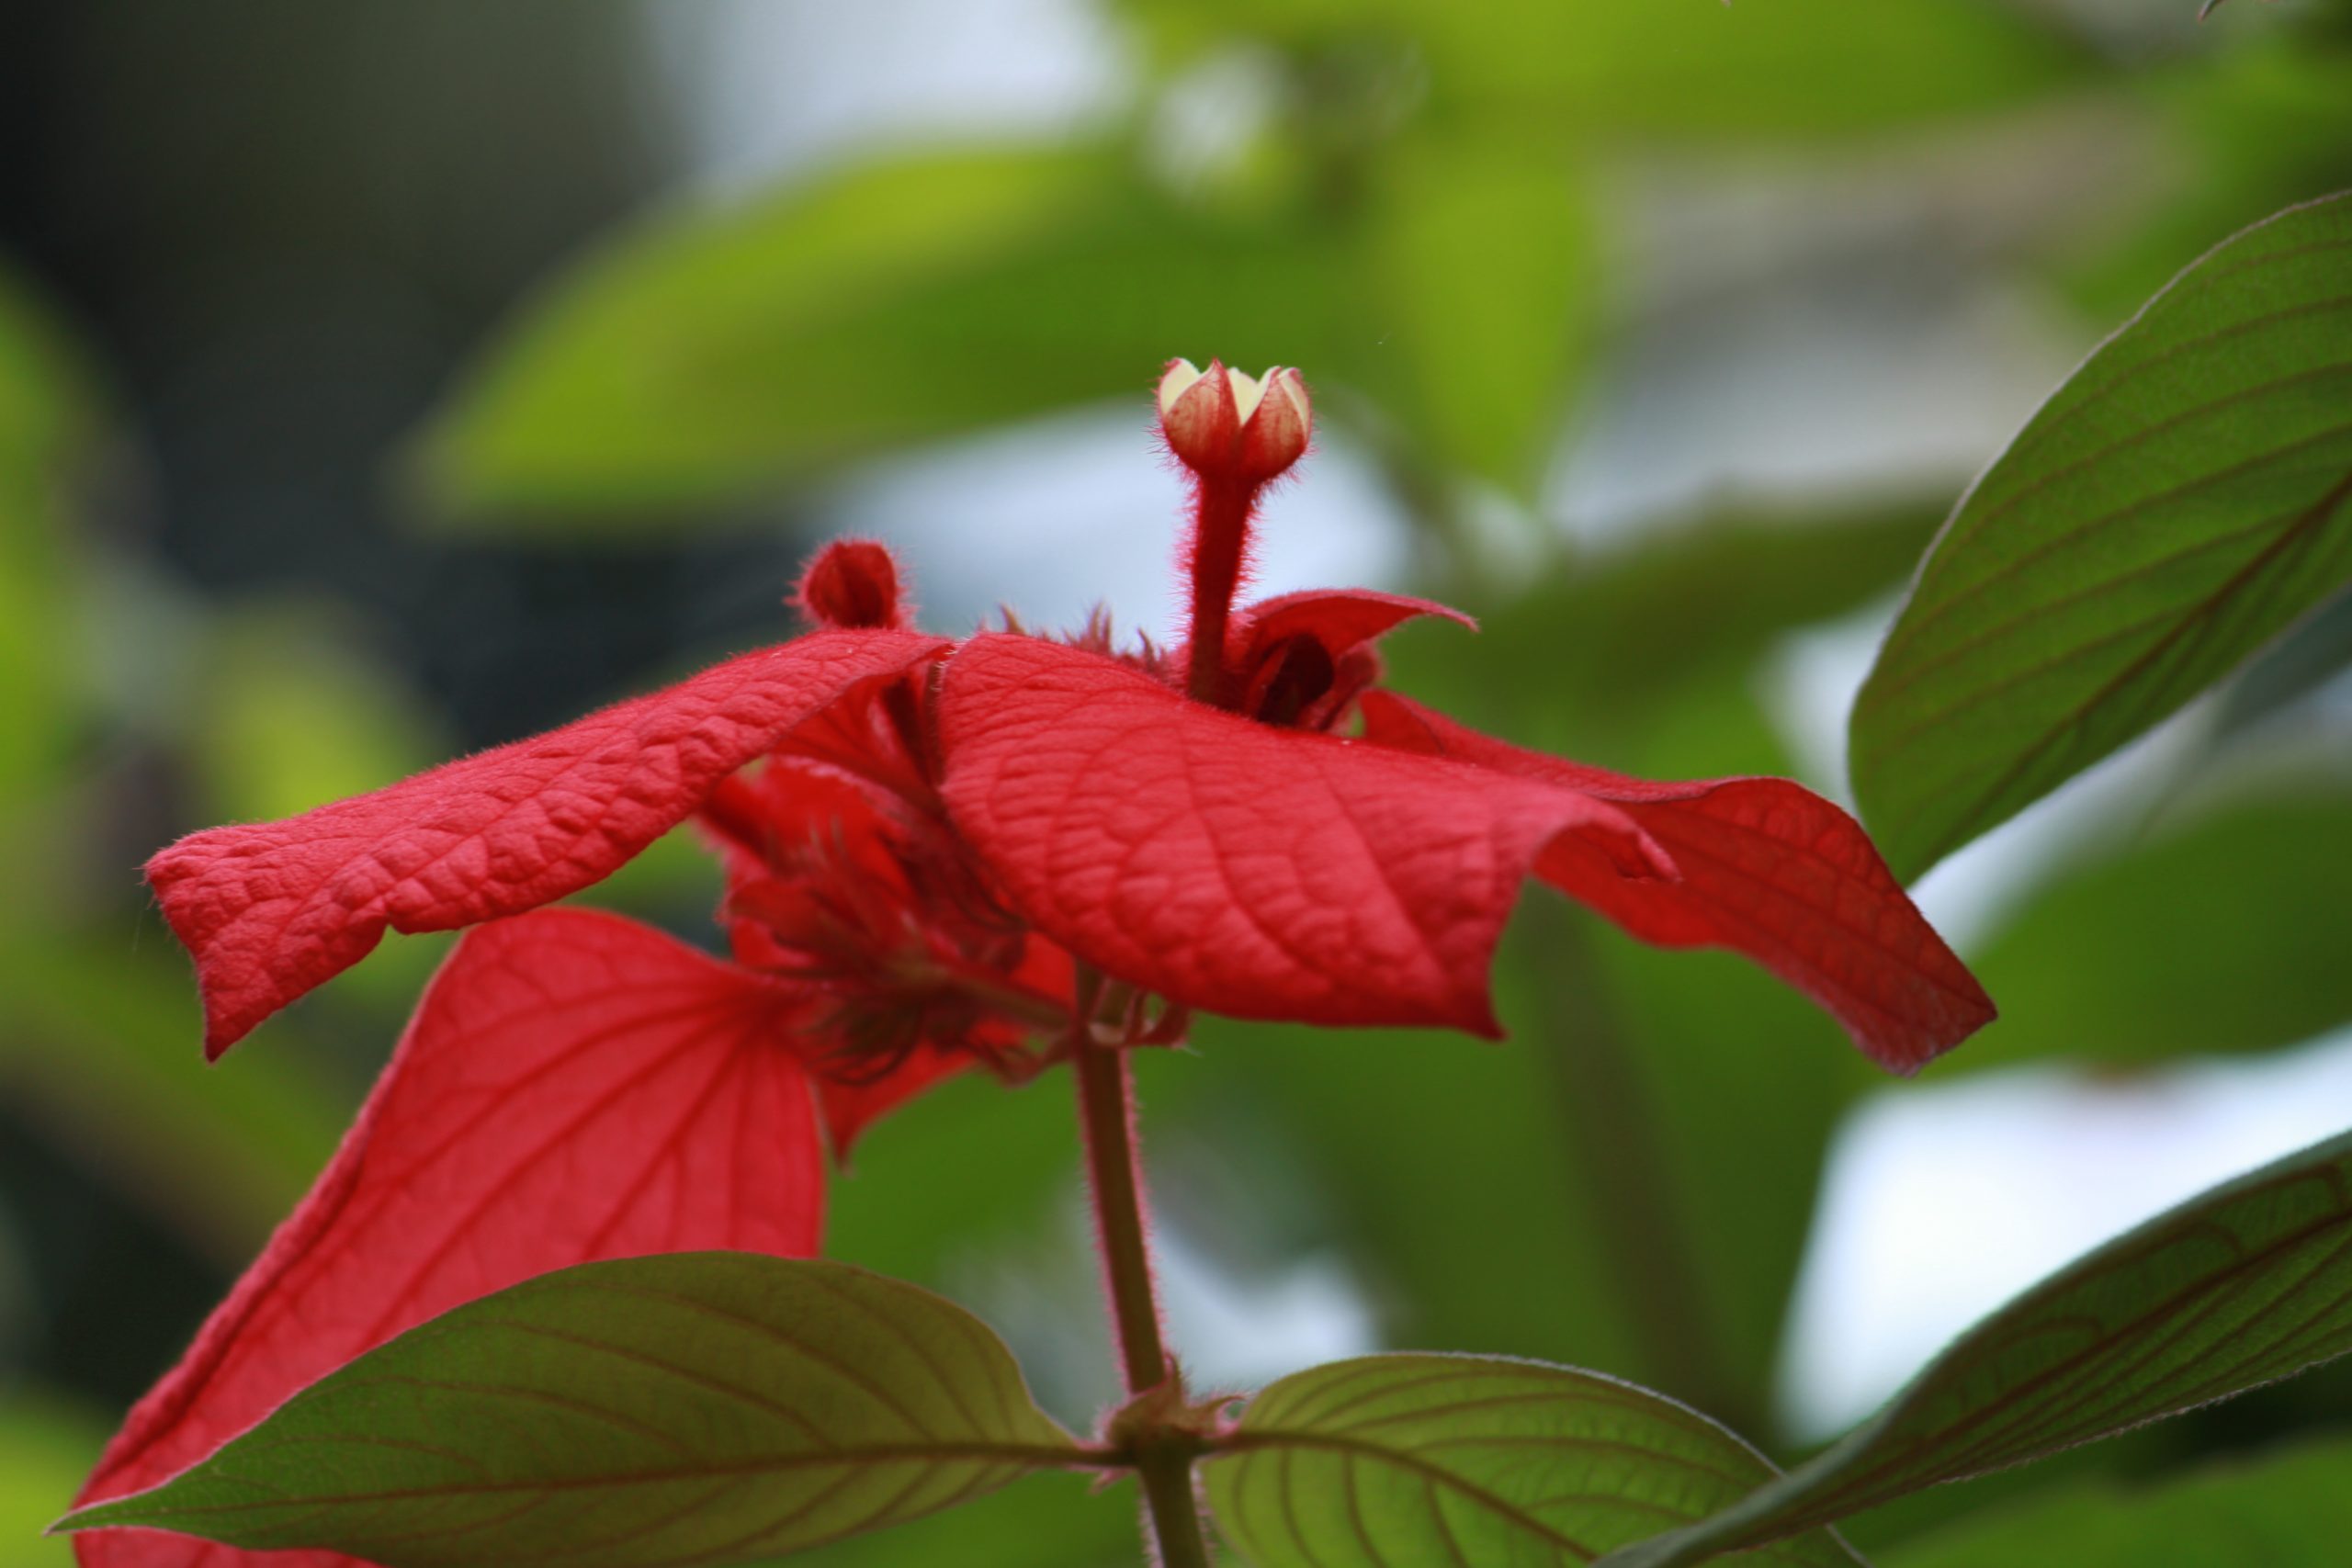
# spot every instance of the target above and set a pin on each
(1387, 1462)
(2110, 965)
(292, 712)
(46, 424)
(1483, 288)
(1048, 1521)
(98, 1041)
(1802, 68)
(46, 1447)
(713, 354)
(1620, 634)
(704, 1407)
(2244, 1284)
(2248, 130)
(2185, 497)
(2289, 1508)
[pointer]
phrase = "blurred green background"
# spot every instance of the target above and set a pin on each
(387, 379)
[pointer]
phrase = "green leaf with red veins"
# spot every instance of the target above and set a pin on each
(2179, 502)
(1394, 1462)
(2244, 1284)
(698, 1407)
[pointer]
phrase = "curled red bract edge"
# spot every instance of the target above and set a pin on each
(1769, 869)
(272, 909)
(573, 1086)
(1341, 619)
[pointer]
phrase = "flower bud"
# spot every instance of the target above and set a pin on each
(853, 584)
(1197, 415)
(1276, 419)
(1226, 425)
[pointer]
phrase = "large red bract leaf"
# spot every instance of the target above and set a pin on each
(1769, 869)
(271, 909)
(1239, 868)
(573, 1086)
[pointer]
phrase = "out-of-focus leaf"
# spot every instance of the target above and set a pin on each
(2289, 1508)
(2183, 498)
(45, 421)
(708, 1407)
(45, 1449)
(2262, 126)
(292, 715)
(1811, 67)
(1805, 68)
(1596, 646)
(713, 353)
(2225, 934)
(1405, 1134)
(1391, 1461)
(1484, 293)
(105, 1041)
(1048, 1521)
(1015, 1153)
(2248, 1282)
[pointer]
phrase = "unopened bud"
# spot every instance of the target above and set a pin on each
(1276, 419)
(853, 585)
(1198, 416)
(1224, 424)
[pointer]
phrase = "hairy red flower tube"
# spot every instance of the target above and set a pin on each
(926, 843)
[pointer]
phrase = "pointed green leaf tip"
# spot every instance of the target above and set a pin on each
(2244, 1284)
(2178, 502)
(1394, 1461)
(707, 1407)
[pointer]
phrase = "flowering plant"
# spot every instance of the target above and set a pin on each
(1009, 853)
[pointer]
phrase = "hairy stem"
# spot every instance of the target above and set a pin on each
(1220, 545)
(1106, 1111)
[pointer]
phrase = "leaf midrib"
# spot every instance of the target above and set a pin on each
(2196, 618)
(1042, 1455)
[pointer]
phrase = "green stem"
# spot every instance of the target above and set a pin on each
(1106, 1110)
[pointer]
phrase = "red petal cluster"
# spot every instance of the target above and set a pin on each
(922, 842)
(1237, 868)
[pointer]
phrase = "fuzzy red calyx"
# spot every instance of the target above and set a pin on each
(1231, 428)
(853, 585)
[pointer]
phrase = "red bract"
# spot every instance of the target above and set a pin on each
(924, 844)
